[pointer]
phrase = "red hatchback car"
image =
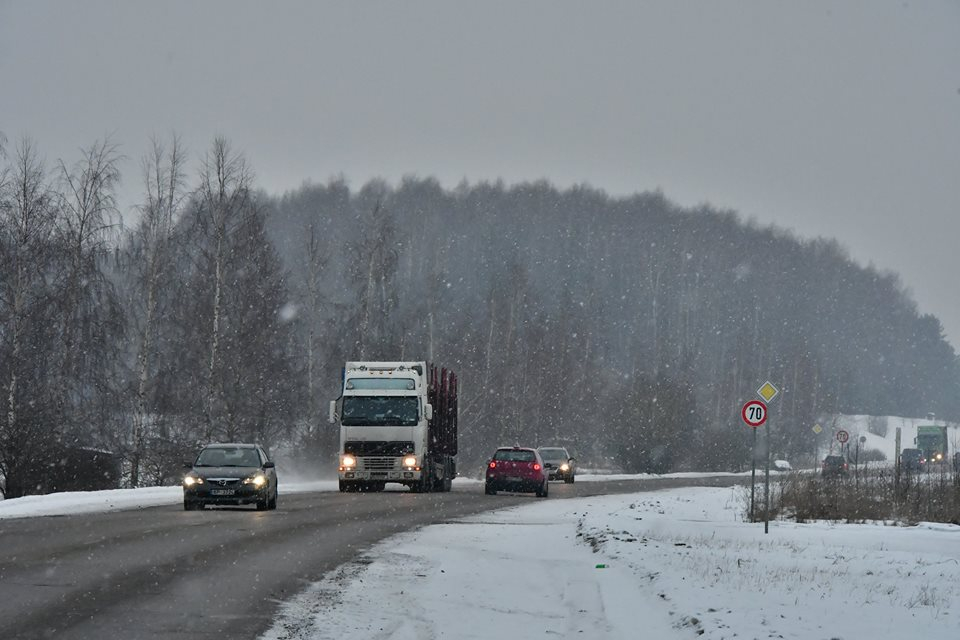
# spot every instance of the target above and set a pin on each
(516, 469)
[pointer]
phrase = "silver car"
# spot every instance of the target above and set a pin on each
(558, 463)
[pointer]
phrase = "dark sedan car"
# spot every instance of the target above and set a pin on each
(558, 463)
(834, 467)
(516, 469)
(231, 474)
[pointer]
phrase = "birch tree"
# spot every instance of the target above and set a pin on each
(163, 180)
(88, 210)
(225, 200)
(27, 225)
(317, 257)
(374, 273)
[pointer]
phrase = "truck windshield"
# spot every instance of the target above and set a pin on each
(380, 411)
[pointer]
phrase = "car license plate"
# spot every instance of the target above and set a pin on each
(514, 479)
(222, 492)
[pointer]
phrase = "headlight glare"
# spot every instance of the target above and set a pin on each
(564, 467)
(410, 461)
(189, 481)
(348, 461)
(258, 480)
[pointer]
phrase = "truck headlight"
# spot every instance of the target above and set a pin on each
(410, 461)
(258, 480)
(348, 461)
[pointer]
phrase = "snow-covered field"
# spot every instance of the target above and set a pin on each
(672, 564)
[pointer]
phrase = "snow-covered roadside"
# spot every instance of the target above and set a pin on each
(73, 502)
(676, 564)
(589, 476)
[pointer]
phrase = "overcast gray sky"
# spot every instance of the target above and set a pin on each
(839, 119)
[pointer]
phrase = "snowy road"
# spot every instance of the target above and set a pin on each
(160, 572)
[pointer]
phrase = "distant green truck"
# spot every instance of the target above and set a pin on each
(932, 441)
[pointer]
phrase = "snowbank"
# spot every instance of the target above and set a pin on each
(72, 502)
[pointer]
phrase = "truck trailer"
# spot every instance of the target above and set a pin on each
(398, 423)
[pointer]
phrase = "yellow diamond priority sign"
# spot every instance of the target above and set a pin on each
(767, 391)
(817, 428)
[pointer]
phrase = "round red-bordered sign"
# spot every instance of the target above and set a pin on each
(754, 413)
(842, 436)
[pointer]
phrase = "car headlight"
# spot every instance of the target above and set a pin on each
(410, 461)
(189, 481)
(564, 467)
(258, 480)
(348, 461)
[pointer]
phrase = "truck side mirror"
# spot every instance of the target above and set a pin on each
(428, 411)
(333, 411)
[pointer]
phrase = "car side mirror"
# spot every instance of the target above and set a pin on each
(269, 464)
(187, 466)
(571, 460)
(333, 411)
(428, 411)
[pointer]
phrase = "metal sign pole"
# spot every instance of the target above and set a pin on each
(768, 392)
(766, 484)
(755, 414)
(753, 475)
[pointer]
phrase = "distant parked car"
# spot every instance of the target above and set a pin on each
(558, 463)
(834, 467)
(516, 469)
(911, 460)
(231, 474)
(782, 465)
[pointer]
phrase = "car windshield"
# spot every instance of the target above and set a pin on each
(554, 454)
(376, 411)
(515, 455)
(228, 457)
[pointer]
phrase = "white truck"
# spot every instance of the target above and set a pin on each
(398, 423)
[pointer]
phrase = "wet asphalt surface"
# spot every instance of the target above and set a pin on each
(164, 573)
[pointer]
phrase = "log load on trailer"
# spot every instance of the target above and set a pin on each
(398, 423)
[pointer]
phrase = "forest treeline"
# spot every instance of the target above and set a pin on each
(627, 328)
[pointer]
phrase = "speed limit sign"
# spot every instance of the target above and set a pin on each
(842, 436)
(754, 413)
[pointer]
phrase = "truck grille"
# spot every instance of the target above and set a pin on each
(375, 448)
(379, 464)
